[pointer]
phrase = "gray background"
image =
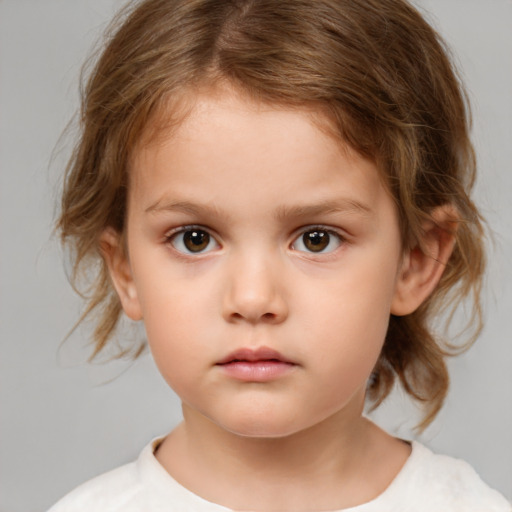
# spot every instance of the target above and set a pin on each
(63, 421)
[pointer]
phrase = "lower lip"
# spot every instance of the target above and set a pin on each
(257, 371)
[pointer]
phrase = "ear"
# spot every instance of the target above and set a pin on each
(424, 264)
(114, 253)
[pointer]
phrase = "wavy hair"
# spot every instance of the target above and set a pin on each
(376, 67)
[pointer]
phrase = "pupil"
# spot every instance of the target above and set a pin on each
(196, 241)
(316, 241)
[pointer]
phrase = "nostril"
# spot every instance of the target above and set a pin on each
(265, 317)
(244, 303)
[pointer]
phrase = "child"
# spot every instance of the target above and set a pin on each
(279, 190)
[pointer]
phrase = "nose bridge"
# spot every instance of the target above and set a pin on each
(255, 286)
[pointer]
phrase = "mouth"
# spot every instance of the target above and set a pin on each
(254, 355)
(256, 365)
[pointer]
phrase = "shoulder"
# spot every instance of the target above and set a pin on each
(439, 482)
(109, 492)
(122, 489)
(141, 486)
(119, 489)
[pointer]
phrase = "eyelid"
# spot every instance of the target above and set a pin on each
(342, 238)
(321, 227)
(182, 228)
(171, 235)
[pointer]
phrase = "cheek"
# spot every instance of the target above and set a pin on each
(349, 318)
(172, 320)
(176, 346)
(179, 328)
(357, 299)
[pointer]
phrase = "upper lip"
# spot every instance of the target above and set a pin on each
(252, 355)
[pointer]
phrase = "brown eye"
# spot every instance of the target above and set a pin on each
(196, 241)
(316, 241)
(193, 241)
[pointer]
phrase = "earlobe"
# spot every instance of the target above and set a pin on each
(120, 272)
(423, 265)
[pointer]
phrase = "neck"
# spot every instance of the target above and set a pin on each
(325, 467)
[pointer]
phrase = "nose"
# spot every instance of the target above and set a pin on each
(255, 291)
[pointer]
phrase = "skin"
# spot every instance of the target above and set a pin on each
(254, 179)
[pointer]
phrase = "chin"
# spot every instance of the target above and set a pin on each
(267, 428)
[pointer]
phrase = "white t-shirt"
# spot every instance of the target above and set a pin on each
(426, 483)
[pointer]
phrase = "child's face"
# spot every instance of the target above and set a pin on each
(251, 229)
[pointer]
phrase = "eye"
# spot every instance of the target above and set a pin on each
(193, 241)
(317, 240)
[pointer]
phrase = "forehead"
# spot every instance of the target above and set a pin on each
(184, 115)
(220, 137)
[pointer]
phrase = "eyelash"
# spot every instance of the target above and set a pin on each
(171, 238)
(321, 229)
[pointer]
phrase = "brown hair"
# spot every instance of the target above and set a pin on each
(379, 70)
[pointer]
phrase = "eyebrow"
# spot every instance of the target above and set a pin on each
(342, 205)
(331, 206)
(185, 207)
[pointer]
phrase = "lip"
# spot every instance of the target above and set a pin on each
(256, 365)
(253, 355)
